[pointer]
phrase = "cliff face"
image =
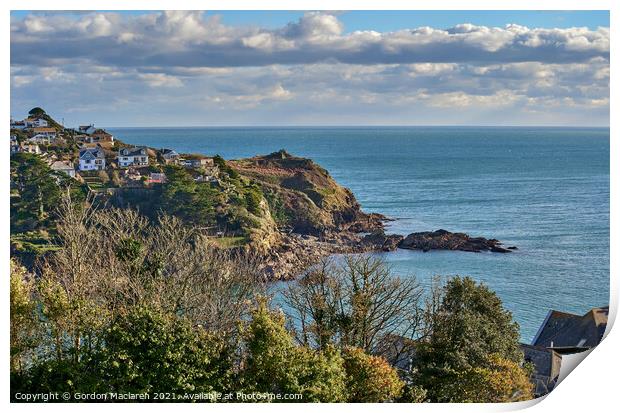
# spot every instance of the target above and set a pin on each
(309, 215)
(303, 197)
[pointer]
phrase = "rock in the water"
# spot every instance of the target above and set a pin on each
(446, 240)
(381, 241)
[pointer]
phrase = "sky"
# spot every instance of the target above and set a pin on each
(236, 68)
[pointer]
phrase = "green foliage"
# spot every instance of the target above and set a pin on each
(470, 331)
(191, 201)
(224, 167)
(36, 111)
(275, 365)
(253, 198)
(128, 250)
(147, 351)
(38, 191)
(471, 323)
(219, 161)
(23, 316)
(370, 379)
(498, 381)
(35, 243)
(276, 207)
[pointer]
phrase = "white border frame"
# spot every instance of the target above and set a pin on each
(588, 389)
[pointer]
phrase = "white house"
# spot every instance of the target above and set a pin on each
(136, 156)
(64, 167)
(35, 123)
(169, 155)
(40, 140)
(92, 159)
(87, 129)
(43, 133)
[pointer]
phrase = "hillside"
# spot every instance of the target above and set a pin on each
(304, 197)
(284, 208)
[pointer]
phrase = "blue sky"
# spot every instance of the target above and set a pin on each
(385, 20)
(313, 68)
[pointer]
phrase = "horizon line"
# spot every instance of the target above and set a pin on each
(363, 126)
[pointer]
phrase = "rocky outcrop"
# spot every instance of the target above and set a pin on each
(305, 197)
(381, 241)
(314, 217)
(446, 240)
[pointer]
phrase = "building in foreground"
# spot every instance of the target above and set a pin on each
(562, 334)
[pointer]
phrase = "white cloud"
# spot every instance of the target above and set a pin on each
(160, 80)
(189, 59)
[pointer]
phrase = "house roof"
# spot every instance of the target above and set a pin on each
(61, 166)
(101, 132)
(42, 130)
(91, 153)
(135, 151)
(573, 331)
(542, 358)
(169, 152)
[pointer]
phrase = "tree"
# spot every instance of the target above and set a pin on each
(470, 324)
(24, 334)
(147, 351)
(159, 278)
(471, 333)
(36, 111)
(370, 379)
(358, 303)
(38, 191)
(275, 365)
(499, 381)
(191, 201)
(224, 167)
(253, 198)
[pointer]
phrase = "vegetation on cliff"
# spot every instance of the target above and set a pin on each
(156, 309)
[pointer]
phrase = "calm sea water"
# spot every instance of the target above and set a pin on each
(545, 190)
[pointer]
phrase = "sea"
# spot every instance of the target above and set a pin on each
(544, 190)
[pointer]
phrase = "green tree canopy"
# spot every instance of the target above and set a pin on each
(37, 191)
(148, 351)
(36, 111)
(276, 365)
(370, 379)
(470, 327)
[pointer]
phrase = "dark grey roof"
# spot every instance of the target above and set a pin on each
(169, 152)
(91, 153)
(572, 331)
(135, 151)
(546, 363)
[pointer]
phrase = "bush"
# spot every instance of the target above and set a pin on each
(253, 199)
(147, 351)
(370, 379)
(275, 365)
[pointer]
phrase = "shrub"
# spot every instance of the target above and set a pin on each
(370, 379)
